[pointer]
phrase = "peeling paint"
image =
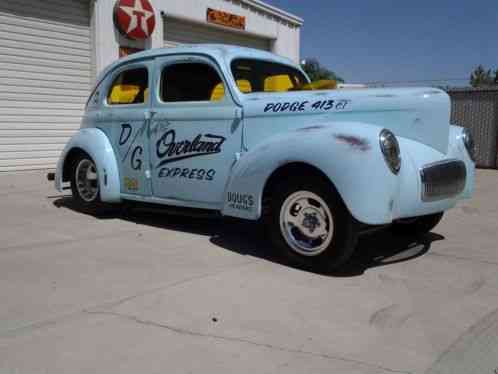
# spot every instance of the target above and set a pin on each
(433, 92)
(311, 128)
(387, 96)
(264, 148)
(360, 144)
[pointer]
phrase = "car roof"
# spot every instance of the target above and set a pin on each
(217, 51)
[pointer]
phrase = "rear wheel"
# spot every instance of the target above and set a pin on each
(310, 225)
(85, 183)
(417, 226)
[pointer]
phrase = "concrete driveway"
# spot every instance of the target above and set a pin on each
(150, 293)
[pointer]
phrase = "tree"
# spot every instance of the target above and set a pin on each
(496, 77)
(481, 77)
(317, 72)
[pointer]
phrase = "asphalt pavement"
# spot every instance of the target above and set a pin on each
(141, 292)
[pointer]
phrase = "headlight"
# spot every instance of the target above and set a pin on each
(468, 141)
(390, 149)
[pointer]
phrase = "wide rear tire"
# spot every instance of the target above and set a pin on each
(85, 184)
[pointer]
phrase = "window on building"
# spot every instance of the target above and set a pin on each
(129, 87)
(266, 76)
(191, 82)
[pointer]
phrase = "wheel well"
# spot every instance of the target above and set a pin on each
(288, 171)
(71, 157)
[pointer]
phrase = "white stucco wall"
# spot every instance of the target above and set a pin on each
(285, 34)
(288, 42)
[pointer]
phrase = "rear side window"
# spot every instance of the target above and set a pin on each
(191, 82)
(129, 87)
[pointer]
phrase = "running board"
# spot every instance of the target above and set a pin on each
(173, 210)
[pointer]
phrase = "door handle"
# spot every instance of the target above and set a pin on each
(153, 127)
(149, 114)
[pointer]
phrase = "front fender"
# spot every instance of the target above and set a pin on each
(348, 153)
(96, 144)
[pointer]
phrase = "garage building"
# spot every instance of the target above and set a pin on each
(52, 50)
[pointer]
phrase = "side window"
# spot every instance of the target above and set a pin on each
(191, 82)
(129, 87)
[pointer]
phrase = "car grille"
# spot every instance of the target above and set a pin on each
(442, 180)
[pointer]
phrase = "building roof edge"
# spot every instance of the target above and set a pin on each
(261, 5)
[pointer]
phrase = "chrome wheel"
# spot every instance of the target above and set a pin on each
(86, 179)
(306, 223)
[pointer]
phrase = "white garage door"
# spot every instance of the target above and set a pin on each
(181, 32)
(45, 75)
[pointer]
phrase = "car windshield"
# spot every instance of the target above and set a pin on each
(263, 76)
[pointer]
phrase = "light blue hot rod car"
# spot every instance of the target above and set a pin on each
(243, 133)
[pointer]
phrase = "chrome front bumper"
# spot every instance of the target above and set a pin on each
(443, 180)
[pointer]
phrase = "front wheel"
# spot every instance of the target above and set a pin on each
(85, 183)
(310, 225)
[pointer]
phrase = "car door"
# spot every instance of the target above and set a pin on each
(195, 132)
(125, 115)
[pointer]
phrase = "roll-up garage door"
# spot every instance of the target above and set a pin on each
(177, 32)
(45, 75)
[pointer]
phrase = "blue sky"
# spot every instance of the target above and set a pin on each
(387, 40)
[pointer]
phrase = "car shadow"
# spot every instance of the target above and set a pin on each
(380, 248)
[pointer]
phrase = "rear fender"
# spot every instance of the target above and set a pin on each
(95, 143)
(348, 153)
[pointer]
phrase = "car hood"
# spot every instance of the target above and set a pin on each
(420, 114)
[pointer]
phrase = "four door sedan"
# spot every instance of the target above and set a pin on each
(245, 133)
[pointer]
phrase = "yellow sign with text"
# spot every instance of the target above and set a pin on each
(131, 184)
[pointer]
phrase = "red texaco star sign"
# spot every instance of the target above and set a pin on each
(134, 18)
